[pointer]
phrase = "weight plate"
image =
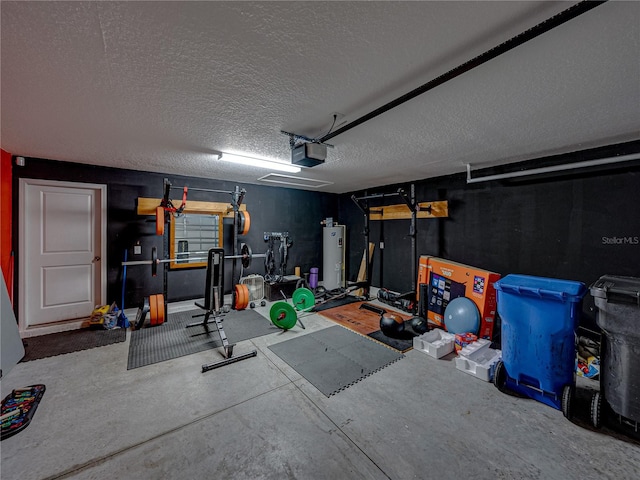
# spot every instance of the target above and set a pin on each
(303, 299)
(153, 310)
(246, 254)
(138, 318)
(239, 300)
(283, 315)
(141, 316)
(239, 223)
(160, 220)
(241, 296)
(247, 223)
(158, 304)
(154, 261)
(160, 300)
(244, 222)
(245, 295)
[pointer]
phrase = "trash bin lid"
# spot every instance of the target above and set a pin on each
(617, 289)
(545, 286)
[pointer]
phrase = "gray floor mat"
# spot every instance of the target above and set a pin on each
(71, 341)
(172, 339)
(334, 358)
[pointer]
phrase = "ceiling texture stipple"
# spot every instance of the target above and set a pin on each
(161, 86)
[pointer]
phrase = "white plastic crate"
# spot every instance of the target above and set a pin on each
(474, 347)
(478, 360)
(436, 343)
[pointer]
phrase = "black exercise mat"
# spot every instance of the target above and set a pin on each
(72, 341)
(338, 302)
(403, 343)
(172, 339)
(334, 358)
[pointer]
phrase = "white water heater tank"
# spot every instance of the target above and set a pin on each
(333, 257)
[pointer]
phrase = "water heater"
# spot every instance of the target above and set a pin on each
(333, 256)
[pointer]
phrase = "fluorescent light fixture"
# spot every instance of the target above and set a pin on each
(257, 162)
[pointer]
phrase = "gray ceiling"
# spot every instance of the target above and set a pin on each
(158, 86)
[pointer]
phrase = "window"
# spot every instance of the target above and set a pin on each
(192, 235)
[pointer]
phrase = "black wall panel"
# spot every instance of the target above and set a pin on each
(272, 209)
(569, 226)
(574, 226)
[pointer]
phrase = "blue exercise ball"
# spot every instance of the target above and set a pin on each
(462, 316)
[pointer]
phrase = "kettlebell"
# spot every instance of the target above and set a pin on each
(392, 325)
(419, 325)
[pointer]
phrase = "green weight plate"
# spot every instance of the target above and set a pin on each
(283, 315)
(303, 299)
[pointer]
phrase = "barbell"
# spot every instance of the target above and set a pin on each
(246, 255)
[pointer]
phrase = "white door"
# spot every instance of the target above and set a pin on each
(62, 272)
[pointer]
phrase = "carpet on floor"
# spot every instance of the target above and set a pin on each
(366, 322)
(71, 341)
(172, 339)
(334, 358)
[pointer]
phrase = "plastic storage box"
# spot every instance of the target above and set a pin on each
(478, 359)
(436, 343)
(539, 318)
(618, 302)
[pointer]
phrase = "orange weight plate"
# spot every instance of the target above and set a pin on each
(242, 296)
(245, 222)
(160, 221)
(160, 300)
(238, 297)
(153, 309)
(245, 296)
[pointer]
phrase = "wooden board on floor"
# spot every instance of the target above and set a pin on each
(358, 319)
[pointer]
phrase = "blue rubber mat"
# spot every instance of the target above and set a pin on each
(334, 358)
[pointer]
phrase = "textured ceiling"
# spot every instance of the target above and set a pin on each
(158, 86)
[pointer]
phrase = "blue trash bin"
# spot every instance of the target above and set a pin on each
(539, 318)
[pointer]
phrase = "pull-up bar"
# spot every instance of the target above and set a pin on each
(237, 194)
(413, 206)
(363, 204)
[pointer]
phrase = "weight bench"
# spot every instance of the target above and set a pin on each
(213, 300)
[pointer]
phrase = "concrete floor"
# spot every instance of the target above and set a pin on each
(419, 418)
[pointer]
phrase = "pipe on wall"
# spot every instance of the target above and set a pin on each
(553, 168)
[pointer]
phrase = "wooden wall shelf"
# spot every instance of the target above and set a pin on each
(401, 211)
(147, 206)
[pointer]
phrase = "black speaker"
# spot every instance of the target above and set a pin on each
(422, 303)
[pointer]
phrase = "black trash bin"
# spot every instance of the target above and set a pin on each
(618, 302)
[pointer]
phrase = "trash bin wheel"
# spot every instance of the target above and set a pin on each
(596, 409)
(568, 393)
(500, 376)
